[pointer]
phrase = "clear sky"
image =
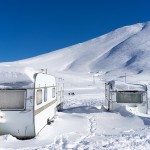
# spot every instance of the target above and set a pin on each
(32, 27)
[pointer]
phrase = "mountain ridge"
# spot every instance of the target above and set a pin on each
(123, 48)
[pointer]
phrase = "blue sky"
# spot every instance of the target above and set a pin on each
(32, 27)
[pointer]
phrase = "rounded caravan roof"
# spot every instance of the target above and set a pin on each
(15, 80)
(122, 86)
(18, 80)
(44, 79)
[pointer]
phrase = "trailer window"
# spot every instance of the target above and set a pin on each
(129, 97)
(53, 92)
(12, 99)
(45, 94)
(39, 96)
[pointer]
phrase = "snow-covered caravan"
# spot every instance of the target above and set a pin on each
(120, 93)
(26, 106)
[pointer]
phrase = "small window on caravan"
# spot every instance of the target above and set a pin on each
(53, 92)
(39, 96)
(45, 94)
(129, 97)
(12, 99)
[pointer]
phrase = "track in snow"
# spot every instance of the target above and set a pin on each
(91, 128)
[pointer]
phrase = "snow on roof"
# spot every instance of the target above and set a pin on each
(17, 79)
(121, 86)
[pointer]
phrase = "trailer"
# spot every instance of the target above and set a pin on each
(120, 93)
(27, 106)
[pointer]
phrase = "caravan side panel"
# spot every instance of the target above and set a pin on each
(45, 100)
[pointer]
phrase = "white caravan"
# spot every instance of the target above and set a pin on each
(26, 107)
(119, 93)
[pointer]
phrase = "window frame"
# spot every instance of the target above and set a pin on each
(16, 109)
(45, 94)
(40, 89)
(53, 92)
(130, 94)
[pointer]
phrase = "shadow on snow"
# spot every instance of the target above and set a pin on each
(90, 109)
(84, 109)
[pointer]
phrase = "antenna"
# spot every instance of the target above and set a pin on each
(44, 70)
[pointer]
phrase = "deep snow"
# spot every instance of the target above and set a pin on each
(85, 124)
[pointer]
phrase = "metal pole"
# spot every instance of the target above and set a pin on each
(93, 79)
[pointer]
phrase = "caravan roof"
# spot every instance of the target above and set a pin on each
(17, 80)
(121, 86)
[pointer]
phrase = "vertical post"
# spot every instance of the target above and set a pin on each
(46, 70)
(107, 95)
(125, 77)
(146, 101)
(93, 79)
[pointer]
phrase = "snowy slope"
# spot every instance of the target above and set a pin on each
(124, 48)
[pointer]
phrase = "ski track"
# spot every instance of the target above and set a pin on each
(83, 143)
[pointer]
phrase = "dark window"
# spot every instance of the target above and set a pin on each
(53, 92)
(39, 96)
(129, 97)
(45, 94)
(12, 99)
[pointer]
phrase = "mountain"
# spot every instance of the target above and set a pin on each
(84, 123)
(126, 48)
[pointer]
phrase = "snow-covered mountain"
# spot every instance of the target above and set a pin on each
(84, 123)
(124, 48)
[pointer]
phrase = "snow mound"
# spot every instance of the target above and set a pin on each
(17, 78)
(121, 86)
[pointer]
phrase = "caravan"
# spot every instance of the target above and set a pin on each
(26, 107)
(120, 93)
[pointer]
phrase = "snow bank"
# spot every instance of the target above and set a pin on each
(122, 86)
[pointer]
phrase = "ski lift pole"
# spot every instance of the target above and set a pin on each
(125, 78)
(93, 79)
